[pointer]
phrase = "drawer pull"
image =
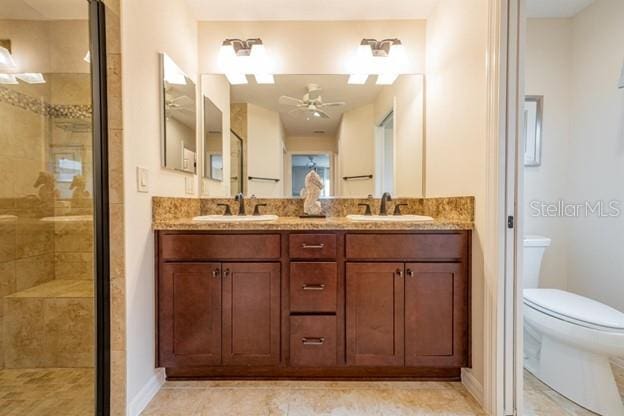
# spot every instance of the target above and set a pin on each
(313, 246)
(313, 341)
(313, 287)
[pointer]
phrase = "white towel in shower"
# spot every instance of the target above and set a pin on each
(622, 78)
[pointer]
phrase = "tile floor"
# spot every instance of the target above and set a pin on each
(47, 392)
(311, 398)
(541, 400)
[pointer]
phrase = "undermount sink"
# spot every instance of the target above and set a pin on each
(235, 218)
(390, 218)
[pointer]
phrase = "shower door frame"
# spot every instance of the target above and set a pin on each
(97, 29)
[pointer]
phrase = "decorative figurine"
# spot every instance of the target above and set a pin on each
(311, 193)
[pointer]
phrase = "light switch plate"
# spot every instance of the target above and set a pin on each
(189, 185)
(142, 175)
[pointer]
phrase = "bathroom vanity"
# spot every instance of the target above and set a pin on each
(317, 299)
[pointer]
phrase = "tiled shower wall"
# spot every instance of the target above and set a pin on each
(37, 120)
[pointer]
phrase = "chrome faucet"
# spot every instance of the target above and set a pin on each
(386, 197)
(241, 203)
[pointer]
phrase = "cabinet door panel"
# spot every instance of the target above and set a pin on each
(189, 299)
(251, 313)
(375, 314)
(435, 320)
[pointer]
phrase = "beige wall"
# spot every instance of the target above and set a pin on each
(294, 44)
(356, 151)
(575, 63)
(217, 89)
(406, 99)
(456, 128)
(265, 145)
(48, 46)
(148, 27)
(549, 73)
(316, 143)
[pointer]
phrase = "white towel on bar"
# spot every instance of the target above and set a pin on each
(622, 78)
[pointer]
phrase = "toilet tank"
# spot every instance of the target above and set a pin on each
(534, 247)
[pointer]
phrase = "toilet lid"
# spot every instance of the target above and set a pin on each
(574, 308)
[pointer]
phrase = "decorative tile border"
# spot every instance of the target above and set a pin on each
(39, 106)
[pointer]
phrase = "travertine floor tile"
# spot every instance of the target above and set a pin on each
(541, 400)
(310, 398)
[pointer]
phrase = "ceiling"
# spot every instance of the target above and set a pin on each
(335, 88)
(44, 9)
(311, 10)
(555, 8)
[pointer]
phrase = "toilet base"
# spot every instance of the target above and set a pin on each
(581, 376)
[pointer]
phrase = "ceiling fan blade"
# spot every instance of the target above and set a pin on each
(286, 100)
(335, 104)
(323, 114)
(297, 112)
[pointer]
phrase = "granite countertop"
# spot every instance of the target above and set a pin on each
(296, 223)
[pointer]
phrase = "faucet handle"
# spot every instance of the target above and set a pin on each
(256, 210)
(397, 209)
(228, 210)
(368, 210)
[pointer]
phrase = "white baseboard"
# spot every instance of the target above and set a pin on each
(472, 385)
(147, 393)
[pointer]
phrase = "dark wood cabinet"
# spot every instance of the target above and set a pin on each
(319, 305)
(189, 304)
(375, 314)
(435, 314)
(251, 313)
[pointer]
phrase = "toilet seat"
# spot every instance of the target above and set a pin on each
(575, 309)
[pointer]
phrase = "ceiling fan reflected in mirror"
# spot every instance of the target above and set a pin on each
(311, 105)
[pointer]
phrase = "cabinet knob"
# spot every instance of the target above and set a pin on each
(313, 341)
(409, 273)
(216, 273)
(227, 273)
(399, 273)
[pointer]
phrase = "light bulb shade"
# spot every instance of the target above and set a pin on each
(364, 52)
(8, 79)
(264, 78)
(227, 57)
(6, 60)
(387, 78)
(32, 78)
(397, 57)
(236, 78)
(357, 79)
(173, 74)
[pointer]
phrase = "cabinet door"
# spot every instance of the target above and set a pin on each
(375, 314)
(436, 308)
(189, 314)
(251, 313)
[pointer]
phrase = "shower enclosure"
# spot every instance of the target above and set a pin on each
(48, 207)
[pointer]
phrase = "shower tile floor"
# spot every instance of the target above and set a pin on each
(47, 392)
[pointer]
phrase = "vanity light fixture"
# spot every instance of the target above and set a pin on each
(32, 78)
(385, 58)
(8, 79)
(173, 74)
(6, 60)
(238, 58)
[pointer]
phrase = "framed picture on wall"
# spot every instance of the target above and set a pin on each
(533, 108)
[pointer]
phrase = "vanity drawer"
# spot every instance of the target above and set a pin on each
(313, 341)
(406, 246)
(312, 246)
(313, 287)
(219, 246)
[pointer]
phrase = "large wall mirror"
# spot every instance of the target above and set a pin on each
(361, 139)
(213, 141)
(179, 118)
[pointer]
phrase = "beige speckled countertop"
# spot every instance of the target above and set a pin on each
(296, 223)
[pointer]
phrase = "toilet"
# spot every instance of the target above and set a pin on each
(569, 339)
